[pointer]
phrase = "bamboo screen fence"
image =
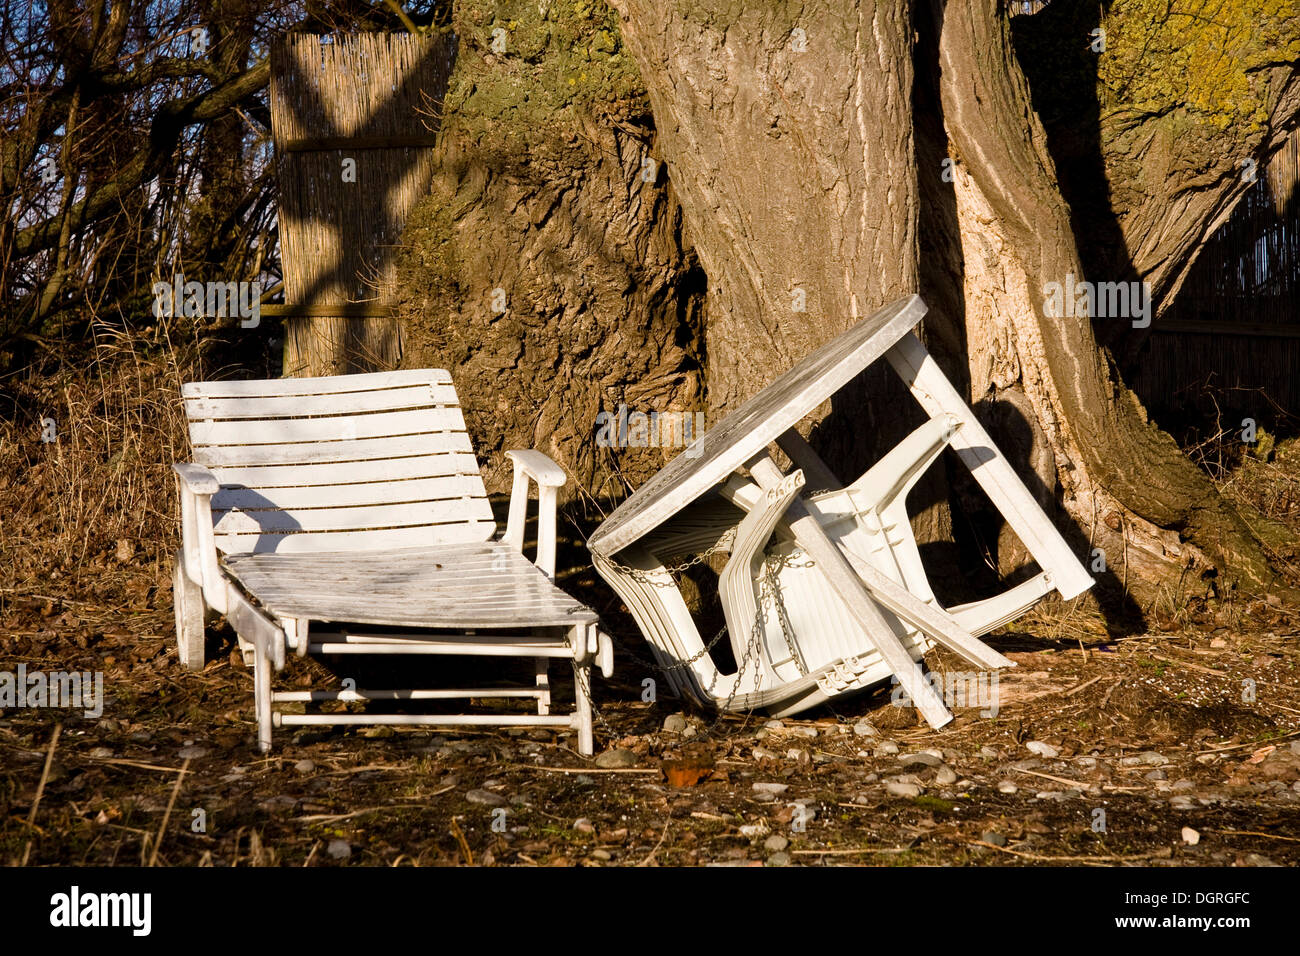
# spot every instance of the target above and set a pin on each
(353, 123)
(1234, 329)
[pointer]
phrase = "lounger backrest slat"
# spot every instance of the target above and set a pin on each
(349, 462)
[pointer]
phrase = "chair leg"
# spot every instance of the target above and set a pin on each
(262, 695)
(543, 685)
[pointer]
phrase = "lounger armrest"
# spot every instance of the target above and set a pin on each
(549, 476)
(539, 467)
(198, 544)
(197, 479)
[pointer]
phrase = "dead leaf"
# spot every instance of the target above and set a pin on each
(686, 772)
(1259, 755)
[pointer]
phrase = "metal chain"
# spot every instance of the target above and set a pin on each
(768, 585)
(723, 544)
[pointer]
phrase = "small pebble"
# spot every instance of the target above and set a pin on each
(898, 789)
(1190, 836)
(1147, 759)
(775, 843)
(753, 830)
(925, 758)
(583, 825)
(886, 748)
(945, 776)
(1042, 749)
(992, 836)
(779, 859)
(1006, 786)
(601, 855)
(101, 753)
(304, 766)
(675, 724)
(486, 798)
(339, 849)
(615, 759)
(864, 729)
(192, 752)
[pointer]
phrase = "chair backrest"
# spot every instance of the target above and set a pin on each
(341, 463)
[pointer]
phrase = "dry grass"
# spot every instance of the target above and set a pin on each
(101, 494)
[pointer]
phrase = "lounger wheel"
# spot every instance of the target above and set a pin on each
(188, 600)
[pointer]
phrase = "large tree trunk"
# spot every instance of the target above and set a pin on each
(788, 135)
(797, 170)
(1124, 481)
(789, 140)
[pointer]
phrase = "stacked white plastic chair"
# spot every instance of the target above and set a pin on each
(823, 593)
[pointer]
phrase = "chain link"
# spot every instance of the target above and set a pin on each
(723, 544)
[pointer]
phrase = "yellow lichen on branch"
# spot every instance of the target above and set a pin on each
(1204, 58)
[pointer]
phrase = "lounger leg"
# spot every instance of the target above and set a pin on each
(544, 685)
(262, 694)
(582, 691)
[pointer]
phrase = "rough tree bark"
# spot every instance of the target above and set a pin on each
(789, 136)
(546, 267)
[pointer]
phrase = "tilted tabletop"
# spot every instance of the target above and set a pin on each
(748, 430)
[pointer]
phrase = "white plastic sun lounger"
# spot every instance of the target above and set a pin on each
(825, 593)
(346, 515)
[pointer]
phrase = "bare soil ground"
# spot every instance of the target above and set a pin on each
(1151, 730)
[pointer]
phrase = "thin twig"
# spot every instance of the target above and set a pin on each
(1078, 687)
(663, 836)
(524, 766)
(167, 814)
(334, 817)
(1074, 784)
(1065, 859)
(138, 764)
(1267, 836)
(464, 844)
(40, 787)
(865, 849)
